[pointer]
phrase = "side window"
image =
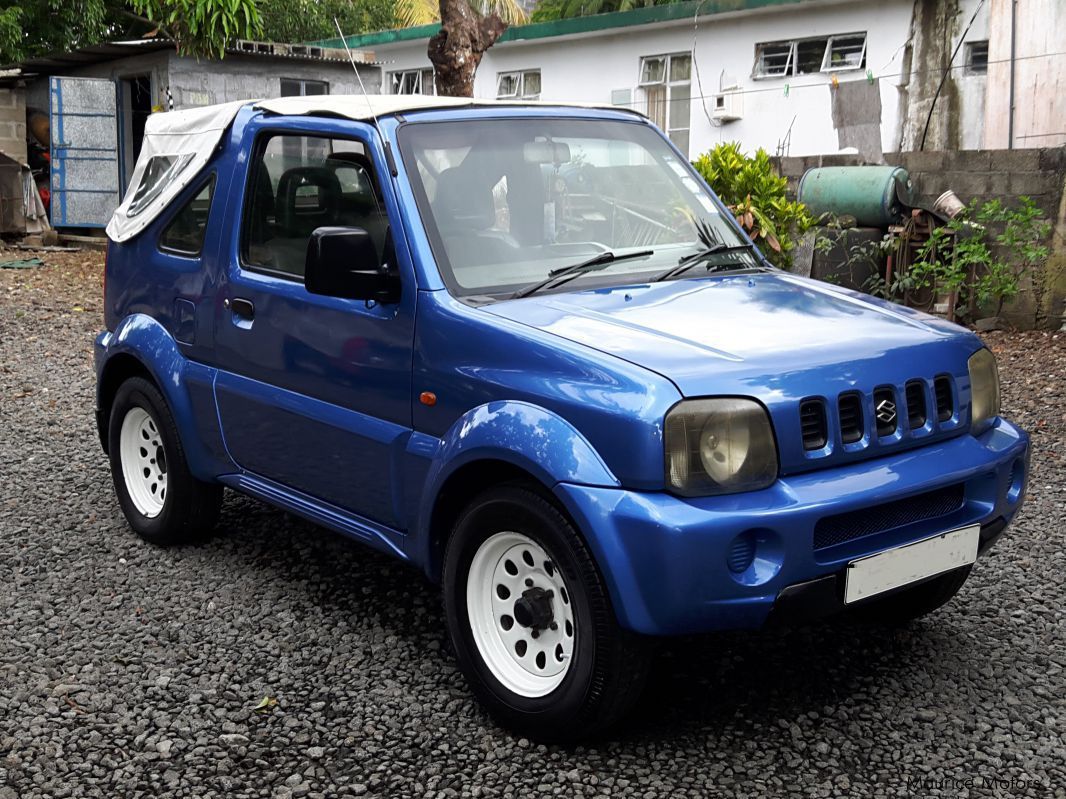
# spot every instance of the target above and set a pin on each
(300, 183)
(185, 233)
(158, 172)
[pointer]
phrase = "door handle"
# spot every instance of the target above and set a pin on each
(241, 307)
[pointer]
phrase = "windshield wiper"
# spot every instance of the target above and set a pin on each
(557, 277)
(690, 261)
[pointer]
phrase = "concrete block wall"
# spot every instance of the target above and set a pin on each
(240, 77)
(985, 175)
(13, 123)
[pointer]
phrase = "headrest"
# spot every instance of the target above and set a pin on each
(295, 221)
(463, 201)
(336, 160)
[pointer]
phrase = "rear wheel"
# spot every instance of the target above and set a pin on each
(162, 501)
(531, 621)
(912, 603)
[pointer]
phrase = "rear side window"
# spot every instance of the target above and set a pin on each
(298, 184)
(158, 172)
(185, 233)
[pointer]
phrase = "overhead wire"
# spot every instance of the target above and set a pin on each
(793, 87)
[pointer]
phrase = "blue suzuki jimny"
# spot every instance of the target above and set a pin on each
(526, 349)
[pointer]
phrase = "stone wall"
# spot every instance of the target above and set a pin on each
(13, 123)
(984, 175)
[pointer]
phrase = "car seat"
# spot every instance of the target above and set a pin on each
(465, 213)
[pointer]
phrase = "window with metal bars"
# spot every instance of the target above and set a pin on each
(413, 81)
(524, 85)
(808, 56)
(666, 91)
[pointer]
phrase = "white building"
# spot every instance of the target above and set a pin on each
(796, 77)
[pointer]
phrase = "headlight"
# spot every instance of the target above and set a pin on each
(719, 446)
(984, 389)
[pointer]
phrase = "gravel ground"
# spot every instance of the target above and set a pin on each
(132, 671)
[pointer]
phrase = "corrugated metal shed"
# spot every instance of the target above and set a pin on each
(56, 63)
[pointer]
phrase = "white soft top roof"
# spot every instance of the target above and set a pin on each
(365, 107)
(178, 144)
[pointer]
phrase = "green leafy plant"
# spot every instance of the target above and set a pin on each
(203, 27)
(422, 12)
(834, 235)
(758, 198)
(549, 10)
(979, 257)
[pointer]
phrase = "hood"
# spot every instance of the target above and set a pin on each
(776, 337)
(701, 333)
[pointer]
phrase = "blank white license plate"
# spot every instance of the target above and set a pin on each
(893, 568)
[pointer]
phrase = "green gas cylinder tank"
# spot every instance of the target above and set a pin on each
(877, 196)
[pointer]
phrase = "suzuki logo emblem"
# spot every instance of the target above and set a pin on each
(886, 411)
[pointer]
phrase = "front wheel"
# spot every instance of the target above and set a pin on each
(161, 500)
(531, 620)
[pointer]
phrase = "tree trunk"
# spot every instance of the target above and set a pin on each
(456, 49)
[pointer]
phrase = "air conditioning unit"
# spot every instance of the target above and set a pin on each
(727, 106)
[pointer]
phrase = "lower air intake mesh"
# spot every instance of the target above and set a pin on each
(843, 527)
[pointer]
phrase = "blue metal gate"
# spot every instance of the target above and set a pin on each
(85, 157)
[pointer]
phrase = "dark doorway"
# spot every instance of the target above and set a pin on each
(137, 106)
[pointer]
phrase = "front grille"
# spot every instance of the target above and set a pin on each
(944, 405)
(812, 424)
(885, 412)
(916, 413)
(844, 527)
(898, 411)
(850, 407)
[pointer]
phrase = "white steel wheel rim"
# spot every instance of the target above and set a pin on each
(508, 567)
(144, 465)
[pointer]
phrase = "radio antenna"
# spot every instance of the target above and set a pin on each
(369, 104)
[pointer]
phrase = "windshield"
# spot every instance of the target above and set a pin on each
(509, 203)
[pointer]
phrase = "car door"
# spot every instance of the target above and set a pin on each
(313, 392)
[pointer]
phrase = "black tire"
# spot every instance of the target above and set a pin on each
(190, 507)
(609, 665)
(912, 603)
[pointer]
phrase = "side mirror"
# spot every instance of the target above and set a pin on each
(343, 262)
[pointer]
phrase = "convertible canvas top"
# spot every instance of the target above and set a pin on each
(178, 144)
(176, 147)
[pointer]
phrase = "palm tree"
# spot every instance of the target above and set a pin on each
(467, 29)
(423, 12)
(585, 8)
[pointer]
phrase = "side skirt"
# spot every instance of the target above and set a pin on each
(377, 536)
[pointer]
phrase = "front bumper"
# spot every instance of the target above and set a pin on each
(675, 565)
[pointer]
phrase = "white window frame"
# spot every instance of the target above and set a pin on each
(790, 60)
(398, 76)
(791, 63)
(669, 85)
(520, 85)
(827, 59)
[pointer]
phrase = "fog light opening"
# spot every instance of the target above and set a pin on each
(741, 553)
(754, 557)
